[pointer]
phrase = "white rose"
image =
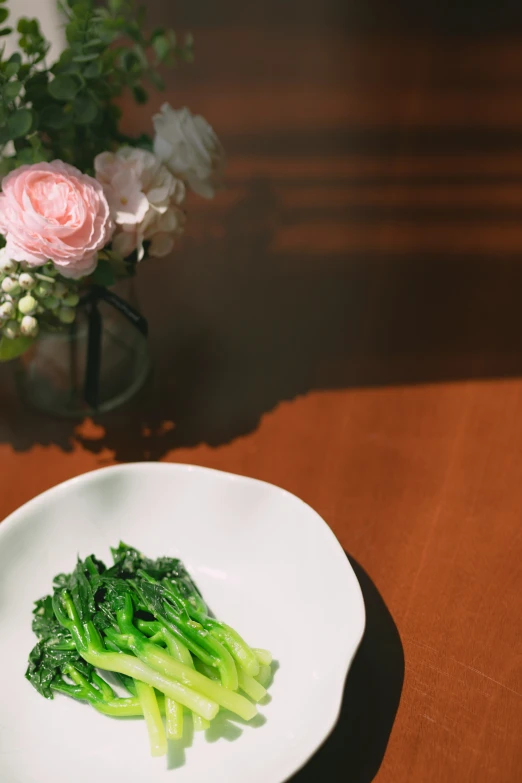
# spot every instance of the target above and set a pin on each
(145, 200)
(188, 146)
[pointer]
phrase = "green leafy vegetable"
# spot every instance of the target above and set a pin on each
(146, 623)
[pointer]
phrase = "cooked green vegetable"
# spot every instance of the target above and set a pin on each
(146, 622)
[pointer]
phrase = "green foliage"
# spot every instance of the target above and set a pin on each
(10, 349)
(69, 106)
(104, 273)
(146, 621)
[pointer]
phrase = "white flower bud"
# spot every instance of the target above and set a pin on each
(60, 289)
(7, 310)
(7, 265)
(10, 286)
(11, 330)
(29, 326)
(43, 288)
(27, 281)
(50, 302)
(71, 300)
(66, 315)
(27, 304)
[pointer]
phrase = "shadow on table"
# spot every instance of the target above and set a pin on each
(242, 323)
(356, 748)
(343, 254)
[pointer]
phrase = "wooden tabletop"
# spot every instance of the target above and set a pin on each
(345, 321)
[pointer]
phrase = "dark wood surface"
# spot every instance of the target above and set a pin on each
(345, 321)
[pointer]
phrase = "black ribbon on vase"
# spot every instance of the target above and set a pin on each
(91, 300)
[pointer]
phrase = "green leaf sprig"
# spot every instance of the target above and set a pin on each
(67, 110)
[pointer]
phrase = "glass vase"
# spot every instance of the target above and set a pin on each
(56, 374)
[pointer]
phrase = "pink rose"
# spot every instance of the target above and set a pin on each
(51, 211)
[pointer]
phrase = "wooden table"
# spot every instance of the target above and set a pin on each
(345, 321)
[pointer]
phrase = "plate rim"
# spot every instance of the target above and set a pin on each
(359, 620)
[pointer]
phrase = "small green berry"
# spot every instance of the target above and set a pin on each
(66, 315)
(51, 302)
(27, 304)
(11, 330)
(43, 289)
(71, 300)
(60, 289)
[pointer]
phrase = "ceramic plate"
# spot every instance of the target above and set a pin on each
(265, 562)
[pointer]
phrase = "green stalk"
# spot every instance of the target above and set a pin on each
(156, 731)
(199, 641)
(132, 667)
(263, 656)
(231, 640)
(207, 671)
(253, 689)
(148, 627)
(265, 673)
(162, 662)
(119, 708)
(199, 723)
(174, 719)
(177, 649)
(181, 654)
(239, 649)
(90, 692)
(105, 689)
(126, 708)
(90, 646)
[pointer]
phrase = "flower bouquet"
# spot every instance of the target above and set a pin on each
(82, 205)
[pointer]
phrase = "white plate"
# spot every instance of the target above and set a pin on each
(266, 563)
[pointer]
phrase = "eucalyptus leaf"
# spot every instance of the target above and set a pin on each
(85, 109)
(161, 46)
(26, 156)
(7, 165)
(19, 124)
(53, 116)
(12, 90)
(130, 61)
(86, 58)
(64, 87)
(11, 69)
(140, 94)
(93, 70)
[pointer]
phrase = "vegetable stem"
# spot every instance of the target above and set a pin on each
(132, 667)
(162, 662)
(174, 719)
(151, 713)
